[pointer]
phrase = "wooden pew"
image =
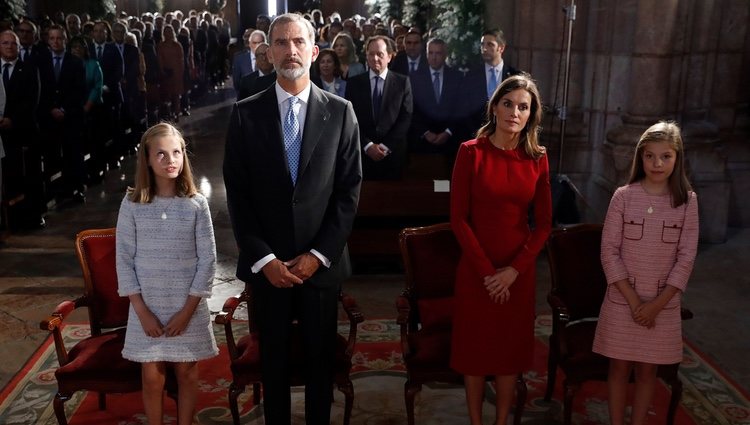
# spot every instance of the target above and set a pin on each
(386, 207)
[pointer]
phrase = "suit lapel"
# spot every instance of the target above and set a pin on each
(315, 122)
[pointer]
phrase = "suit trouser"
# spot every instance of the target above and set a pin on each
(316, 310)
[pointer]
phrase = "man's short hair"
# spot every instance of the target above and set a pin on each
(390, 46)
(58, 28)
(498, 34)
(436, 40)
(289, 18)
(260, 33)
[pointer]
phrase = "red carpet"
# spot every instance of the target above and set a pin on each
(378, 376)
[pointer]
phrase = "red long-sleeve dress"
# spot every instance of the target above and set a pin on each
(491, 194)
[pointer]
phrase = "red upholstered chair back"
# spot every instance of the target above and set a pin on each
(430, 256)
(96, 254)
(576, 269)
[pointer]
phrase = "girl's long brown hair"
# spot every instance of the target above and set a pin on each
(664, 131)
(145, 187)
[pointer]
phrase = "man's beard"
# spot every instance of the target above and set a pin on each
(293, 73)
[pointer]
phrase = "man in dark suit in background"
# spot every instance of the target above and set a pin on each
(63, 80)
(382, 100)
(292, 174)
(482, 80)
(413, 60)
(260, 79)
(437, 92)
(27, 35)
(130, 57)
(110, 61)
(19, 131)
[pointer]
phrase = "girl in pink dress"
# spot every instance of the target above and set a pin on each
(649, 243)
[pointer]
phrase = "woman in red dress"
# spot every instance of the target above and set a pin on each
(497, 179)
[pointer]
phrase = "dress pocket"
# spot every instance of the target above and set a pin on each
(615, 296)
(632, 228)
(671, 231)
(674, 301)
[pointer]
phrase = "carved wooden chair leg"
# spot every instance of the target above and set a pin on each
(256, 394)
(348, 390)
(102, 401)
(59, 406)
(521, 391)
(551, 373)
(570, 391)
(674, 400)
(234, 393)
(410, 391)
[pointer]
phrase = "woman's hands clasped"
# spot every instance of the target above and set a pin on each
(498, 285)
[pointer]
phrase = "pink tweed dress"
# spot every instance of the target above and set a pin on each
(652, 245)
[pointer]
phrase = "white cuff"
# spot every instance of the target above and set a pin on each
(321, 257)
(261, 263)
(448, 130)
(367, 146)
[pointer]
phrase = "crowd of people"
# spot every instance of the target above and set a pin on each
(77, 88)
(383, 92)
(420, 104)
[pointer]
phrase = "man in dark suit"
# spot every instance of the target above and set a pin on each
(260, 79)
(244, 61)
(19, 131)
(413, 59)
(130, 64)
(482, 80)
(63, 93)
(383, 102)
(111, 63)
(292, 174)
(27, 35)
(434, 126)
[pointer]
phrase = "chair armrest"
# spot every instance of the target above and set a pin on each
(560, 314)
(226, 316)
(355, 317)
(53, 323)
(685, 313)
(560, 319)
(404, 311)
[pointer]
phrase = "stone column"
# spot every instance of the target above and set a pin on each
(652, 97)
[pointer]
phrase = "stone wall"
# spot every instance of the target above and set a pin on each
(634, 62)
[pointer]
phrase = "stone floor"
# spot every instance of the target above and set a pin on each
(38, 269)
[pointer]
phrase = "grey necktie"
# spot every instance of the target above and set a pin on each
(436, 85)
(58, 66)
(292, 138)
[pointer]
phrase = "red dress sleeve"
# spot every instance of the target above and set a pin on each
(463, 172)
(542, 203)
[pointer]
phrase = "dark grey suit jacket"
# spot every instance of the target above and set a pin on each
(269, 214)
(396, 109)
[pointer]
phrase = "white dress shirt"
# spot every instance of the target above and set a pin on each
(301, 108)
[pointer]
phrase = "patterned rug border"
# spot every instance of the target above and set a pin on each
(710, 395)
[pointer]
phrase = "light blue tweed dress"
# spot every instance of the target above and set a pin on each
(166, 251)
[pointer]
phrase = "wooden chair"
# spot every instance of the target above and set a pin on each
(578, 288)
(425, 312)
(95, 363)
(244, 354)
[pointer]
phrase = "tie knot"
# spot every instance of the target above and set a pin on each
(293, 101)
(436, 74)
(57, 58)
